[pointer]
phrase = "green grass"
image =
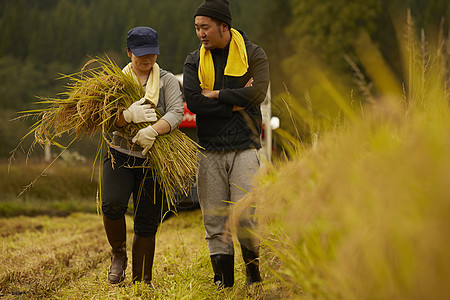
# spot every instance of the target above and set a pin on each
(62, 190)
(33, 207)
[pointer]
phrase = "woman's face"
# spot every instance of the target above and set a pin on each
(142, 63)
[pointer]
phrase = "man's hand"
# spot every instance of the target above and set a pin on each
(248, 84)
(139, 112)
(215, 94)
(145, 138)
(211, 94)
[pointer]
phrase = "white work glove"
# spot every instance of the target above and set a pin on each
(145, 138)
(139, 112)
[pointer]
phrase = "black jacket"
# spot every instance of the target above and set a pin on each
(218, 127)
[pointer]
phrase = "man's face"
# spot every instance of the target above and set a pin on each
(142, 63)
(209, 33)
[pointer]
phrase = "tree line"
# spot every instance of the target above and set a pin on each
(41, 39)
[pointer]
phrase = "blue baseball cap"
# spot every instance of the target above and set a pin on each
(142, 41)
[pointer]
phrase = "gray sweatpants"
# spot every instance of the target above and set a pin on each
(223, 179)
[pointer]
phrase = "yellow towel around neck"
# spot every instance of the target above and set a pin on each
(152, 87)
(237, 62)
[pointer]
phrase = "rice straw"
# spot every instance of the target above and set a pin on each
(94, 99)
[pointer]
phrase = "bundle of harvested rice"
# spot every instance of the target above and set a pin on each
(93, 101)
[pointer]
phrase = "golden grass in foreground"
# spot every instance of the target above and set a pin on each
(364, 213)
(364, 216)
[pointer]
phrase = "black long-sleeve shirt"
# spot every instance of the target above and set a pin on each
(219, 128)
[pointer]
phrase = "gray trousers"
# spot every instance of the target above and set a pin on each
(223, 179)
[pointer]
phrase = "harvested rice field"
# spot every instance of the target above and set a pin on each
(51, 257)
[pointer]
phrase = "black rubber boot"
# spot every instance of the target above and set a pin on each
(223, 266)
(217, 273)
(117, 238)
(142, 260)
(251, 260)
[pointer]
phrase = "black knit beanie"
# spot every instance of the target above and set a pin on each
(216, 9)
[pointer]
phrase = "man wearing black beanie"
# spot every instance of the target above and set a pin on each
(215, 9)
(225, 81)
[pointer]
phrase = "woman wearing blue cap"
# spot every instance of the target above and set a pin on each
(123, 172)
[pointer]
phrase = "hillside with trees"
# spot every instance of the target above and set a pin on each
(39, 40)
